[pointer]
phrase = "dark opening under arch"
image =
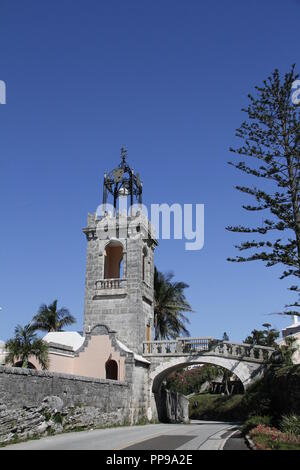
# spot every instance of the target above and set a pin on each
(111, 369)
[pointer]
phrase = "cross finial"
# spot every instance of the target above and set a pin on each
(123, 154)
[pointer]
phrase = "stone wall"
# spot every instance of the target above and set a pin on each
(52, 417)
(38, 403)
(83, 403)
(172, 407)
(138, 376)
(24, 387)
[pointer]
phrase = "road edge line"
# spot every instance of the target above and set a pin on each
(226, 439)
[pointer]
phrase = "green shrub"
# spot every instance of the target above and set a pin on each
(57, 418)
(47, 415)
(257, 399)
(254, 421)
(290, 424)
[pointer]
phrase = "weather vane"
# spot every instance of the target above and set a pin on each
(123, 154)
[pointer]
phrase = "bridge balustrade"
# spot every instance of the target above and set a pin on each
(207, 346)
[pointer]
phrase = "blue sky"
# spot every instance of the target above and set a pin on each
(167, 79)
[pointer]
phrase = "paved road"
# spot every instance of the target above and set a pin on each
(202, 435)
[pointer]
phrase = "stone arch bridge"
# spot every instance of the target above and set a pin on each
(246, 361)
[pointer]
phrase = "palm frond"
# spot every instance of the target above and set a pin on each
(25, 344)
(169, 306)
(49, 318)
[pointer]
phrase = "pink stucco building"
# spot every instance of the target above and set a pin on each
(99, 354)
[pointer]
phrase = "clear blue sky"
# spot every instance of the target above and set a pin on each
(167, 79)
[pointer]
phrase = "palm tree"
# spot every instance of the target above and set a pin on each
(288, 349)
(169, 305)
(49, 318)
(26, 344)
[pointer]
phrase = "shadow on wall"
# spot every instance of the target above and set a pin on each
(172, 407)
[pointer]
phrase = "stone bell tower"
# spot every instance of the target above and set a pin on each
(119, 291)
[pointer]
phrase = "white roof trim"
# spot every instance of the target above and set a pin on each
(137, 357)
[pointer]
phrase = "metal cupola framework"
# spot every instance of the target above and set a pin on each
(122, 181)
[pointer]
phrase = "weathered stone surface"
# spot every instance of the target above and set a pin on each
(39, 402)
(53, 403)
(89, 417)
(172, 407)
(24, 387)
(20, 424)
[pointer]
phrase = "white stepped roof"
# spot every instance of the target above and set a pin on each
(66, 338)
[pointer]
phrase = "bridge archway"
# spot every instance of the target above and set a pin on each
(245, 371)
(239, 368)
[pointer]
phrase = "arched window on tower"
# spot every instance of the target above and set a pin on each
(113, 265)
(111, 369)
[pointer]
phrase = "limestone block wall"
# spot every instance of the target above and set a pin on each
(172, 407)
(25, 387)
(139, 397)
(84, 402)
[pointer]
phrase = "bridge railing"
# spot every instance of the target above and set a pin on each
(242, 350)
(207, 345)
(178, 346)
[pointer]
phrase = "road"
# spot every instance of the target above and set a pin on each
(198, 435)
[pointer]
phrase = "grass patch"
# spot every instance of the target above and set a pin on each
(217, 407)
